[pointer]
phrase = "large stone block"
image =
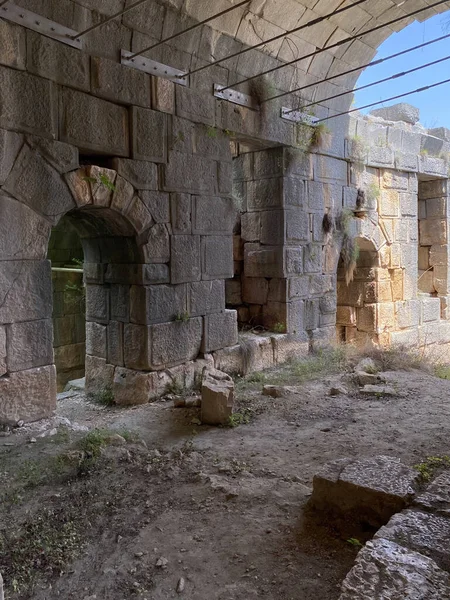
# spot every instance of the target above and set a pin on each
(28, 395)
(255, 290)
(158, 204)
(137, 348)
(251, 227)
(157, 248)
(10, 144)
(99, 374)
(38, 185)
(163, 95)
(97, 303)
(181, 211)
(23, 233)
(329, 169)
(384, 568)
(63, 157)
(185, 258)
(115, 342)
(30, 344)
(60, 63)
(149, 134)
(263, 261)
(70, 357)
(213, 215)
(120, 302)
(27, 103)
(13, 44)
(190, 173)
(96, 339)
(25, 290)
(220, 330)
(176, 342)
(194, 105)
(217, 257)
(398, 112)
(131, 388)
(138, 215)
(436, 498)
(3, 367)
(205, 297)
(370, 490)
(93, 124)
(217, 397)
(157, 303)
(113, 81)
(421, 532)
(265, 194)
(141, 174)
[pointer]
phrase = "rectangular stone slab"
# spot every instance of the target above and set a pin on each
(384, 569)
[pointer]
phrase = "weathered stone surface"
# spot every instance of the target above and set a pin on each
(157, 248)
(148, 135)
(119, 83)
(137, 348)
(13, 44)
(190, 173)
(421, 532)
(141, 174)
(28, 395)
(379, 390)
(205, 297)
(139, 215)
(156, 274)
(264, 261)
(371, 489)
(23, 233)
(181, 208)
(115, 343)
(383, 569)
(217, 257)
(60, 63)
(217, 397)
(3, 368)
(25, 290)
(398, 112)
(93, 124)
(38, 185)
(163, 95)
(99, 375)
(176, 342)
(436, 497)
(122, 195)
(63, 157)
(220, 330)
(157, 303)
(277, 391)
(213, 215)
(194, 105)
(158, 204)
(10, 144)
(185, 258)
(131, 387)
(96, 339)
(97, 303)
(27, 103)
(30, 344)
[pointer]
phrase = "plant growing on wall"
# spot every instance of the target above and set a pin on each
(350, 249)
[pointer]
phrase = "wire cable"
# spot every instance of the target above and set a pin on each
(336, 45)
(363, 87)
(360, 68)
(199, 24)
(417, 91)
(111, 18)
(274, 39)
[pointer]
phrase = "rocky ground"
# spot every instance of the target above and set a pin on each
(147, 503)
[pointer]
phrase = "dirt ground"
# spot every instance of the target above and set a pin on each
(189, 511)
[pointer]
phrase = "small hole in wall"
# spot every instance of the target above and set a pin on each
(100, 160)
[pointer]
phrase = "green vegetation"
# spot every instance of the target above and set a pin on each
(104, 396)
(430, 465)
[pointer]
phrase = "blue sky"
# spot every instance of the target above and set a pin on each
(434, 104)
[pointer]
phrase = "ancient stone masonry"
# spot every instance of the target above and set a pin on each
(142, 169)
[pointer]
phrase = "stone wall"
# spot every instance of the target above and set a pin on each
(152, 202)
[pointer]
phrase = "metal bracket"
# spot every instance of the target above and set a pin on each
(30, 20)
(235, 97)
(298, 117)
(154, 68)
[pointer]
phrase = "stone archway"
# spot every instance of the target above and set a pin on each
(143, 314)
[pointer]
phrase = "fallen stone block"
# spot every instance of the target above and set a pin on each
(75, 384)
(379, 390)
(217, 397)
(338, 390)
(369, 490)
(366, 365)
(398, 112)
(422, 532)
(363, 378)
(383, 569)
(436, 498)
